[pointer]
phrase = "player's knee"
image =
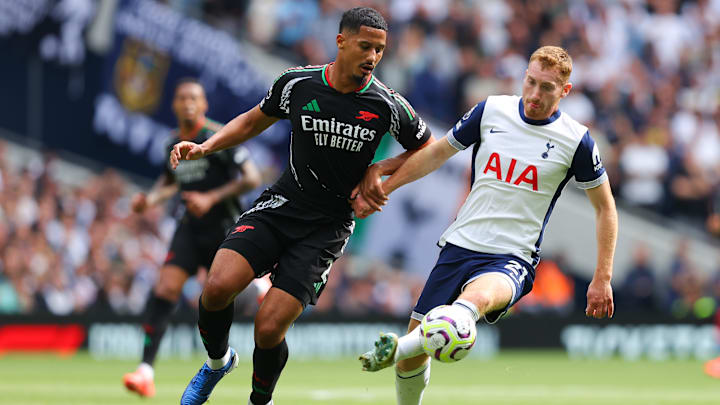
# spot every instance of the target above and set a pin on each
(168, 292)
(268, 332)
(216, 295)
(484, 300)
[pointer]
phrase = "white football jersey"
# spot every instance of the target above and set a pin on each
(519, 168)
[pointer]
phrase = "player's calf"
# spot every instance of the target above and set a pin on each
(411, 378)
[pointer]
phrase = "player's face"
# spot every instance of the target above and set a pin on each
(189, 103)
(361, 51)
(542, 91)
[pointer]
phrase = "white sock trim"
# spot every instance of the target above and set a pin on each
(470, 307)
(217, 364)
(147, 370)
(412, 373)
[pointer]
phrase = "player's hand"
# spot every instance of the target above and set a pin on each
(138, 203)
(198, 203)
(600, 300)
(361, 207)
(185, 150)
(371, 187)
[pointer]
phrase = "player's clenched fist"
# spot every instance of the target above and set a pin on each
(139, 203)
(185, 151)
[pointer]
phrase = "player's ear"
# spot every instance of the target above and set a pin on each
(340, 40)
(566, 89)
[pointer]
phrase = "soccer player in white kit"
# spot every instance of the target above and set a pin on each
(524, 152)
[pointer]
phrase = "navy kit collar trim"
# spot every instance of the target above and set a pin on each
(531, 121)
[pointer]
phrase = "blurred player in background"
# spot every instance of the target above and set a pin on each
(524, 152)
(209, 188)
(339, 112)
(712, 367)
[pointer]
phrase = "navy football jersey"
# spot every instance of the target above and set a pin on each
(335, 135)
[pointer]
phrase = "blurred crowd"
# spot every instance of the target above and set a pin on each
(71, 248)
(681, 290)
(646, 73)
(76, 248)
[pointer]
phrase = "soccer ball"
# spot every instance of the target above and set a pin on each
(447, 333)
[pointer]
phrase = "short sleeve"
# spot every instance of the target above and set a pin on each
(270, 105)
(467, 131)
(587, 165)
(241, 155)
(413, 130)
(277, 101)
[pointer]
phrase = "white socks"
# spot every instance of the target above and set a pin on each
(468, 306)
(409, 346)
(217, 364)
(410, 385)
(146, 370)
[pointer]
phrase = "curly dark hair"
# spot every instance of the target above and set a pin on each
(355, 17)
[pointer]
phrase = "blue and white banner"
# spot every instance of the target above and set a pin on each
(154, 47)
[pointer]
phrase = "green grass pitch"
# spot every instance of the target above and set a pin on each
(513, 377)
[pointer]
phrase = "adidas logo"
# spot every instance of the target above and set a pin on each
(312, 106)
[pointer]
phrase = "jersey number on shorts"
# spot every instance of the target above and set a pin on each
(517, 269)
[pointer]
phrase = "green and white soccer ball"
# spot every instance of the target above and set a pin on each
(447, 333)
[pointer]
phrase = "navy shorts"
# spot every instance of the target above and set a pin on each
(457, 267)
(297, 246)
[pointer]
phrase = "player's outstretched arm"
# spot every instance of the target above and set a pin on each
(243, 127)
(371, 184)
(599, 295)
(420, 164)
(164, 188)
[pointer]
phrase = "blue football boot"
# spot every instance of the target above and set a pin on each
(200, 387)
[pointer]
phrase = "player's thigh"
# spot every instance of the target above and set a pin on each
(250, 250)
(498, 284)
(305, 266)
(229, 274)
(183, 252)
(489, 292)
(258, 239)
(279, 309)
(170, 282)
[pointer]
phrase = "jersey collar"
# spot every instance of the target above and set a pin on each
(531, 121)
(195, 131)
(363, 87)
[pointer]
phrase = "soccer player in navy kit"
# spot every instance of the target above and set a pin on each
(299, 226)
(209, 189)
(524, 152)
